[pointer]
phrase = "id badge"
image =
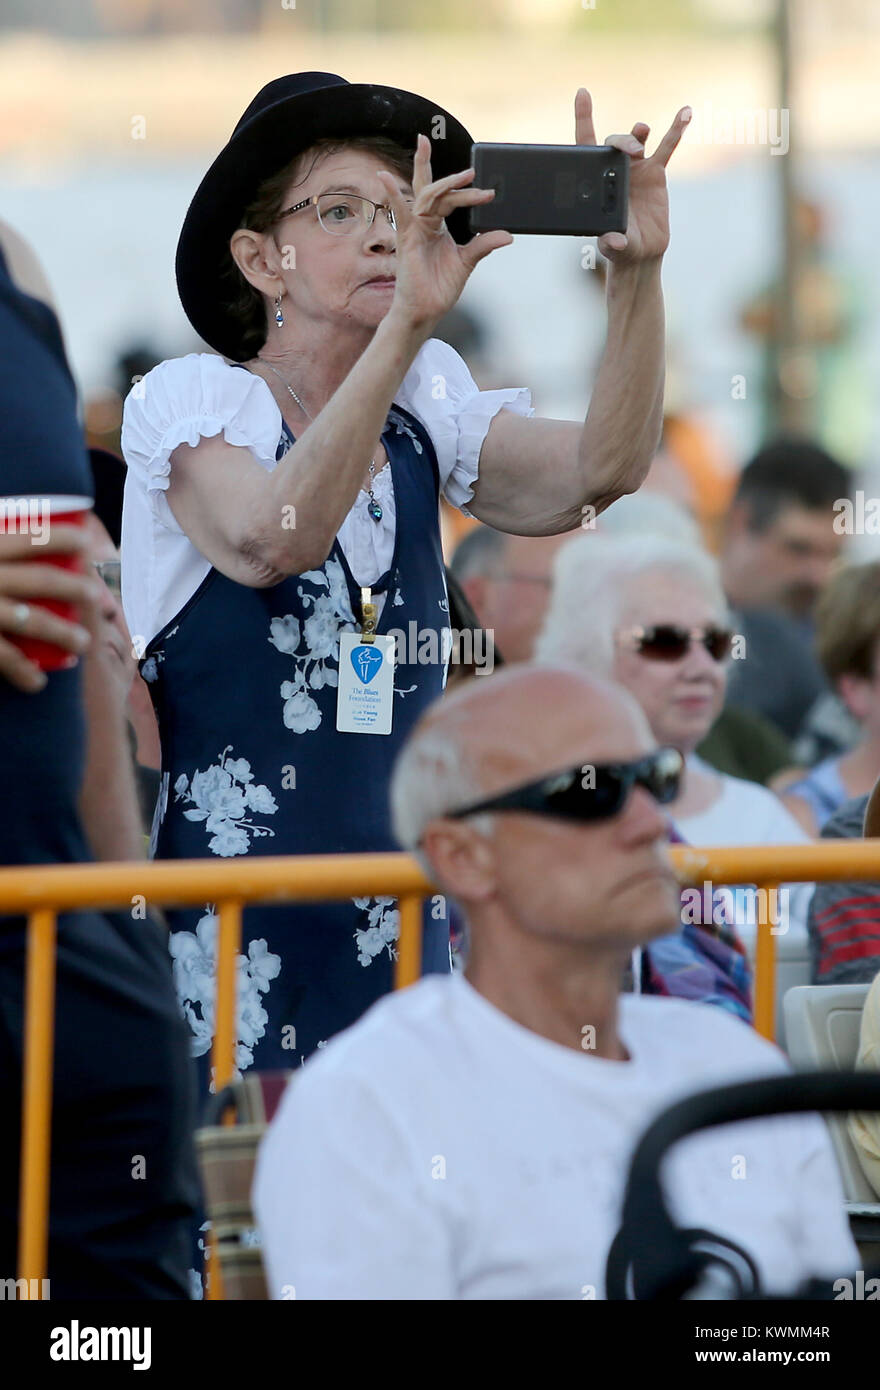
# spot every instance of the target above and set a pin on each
(366, 684)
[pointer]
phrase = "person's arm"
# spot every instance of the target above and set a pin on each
(536, 475)
(108, 800)
(798, 807)
(239, 516)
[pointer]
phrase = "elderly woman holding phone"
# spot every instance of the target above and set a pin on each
(281, 508)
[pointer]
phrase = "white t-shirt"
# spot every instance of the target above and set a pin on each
(200, 395)
(439, 1150)
(744, 814)
(748, 814)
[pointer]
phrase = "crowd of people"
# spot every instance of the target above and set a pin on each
(233, 686)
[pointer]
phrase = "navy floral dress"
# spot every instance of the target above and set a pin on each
(244, 684)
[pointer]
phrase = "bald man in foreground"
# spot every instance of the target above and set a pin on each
(469, 1137)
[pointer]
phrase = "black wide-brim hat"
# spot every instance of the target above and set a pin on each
(284, 119)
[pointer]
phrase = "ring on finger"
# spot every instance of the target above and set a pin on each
(20, 614)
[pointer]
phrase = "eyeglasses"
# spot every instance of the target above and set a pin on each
(111, 573)
(666, 642)
(341, 213)
(589, 792)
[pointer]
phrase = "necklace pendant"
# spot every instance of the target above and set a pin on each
(375, 511)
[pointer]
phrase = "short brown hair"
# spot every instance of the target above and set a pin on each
(244, 302)
(848, 621)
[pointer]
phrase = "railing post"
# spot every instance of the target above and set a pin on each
(223, 1053)
(226, 998)
(36, 1121)
(408, 966)
(765, 965)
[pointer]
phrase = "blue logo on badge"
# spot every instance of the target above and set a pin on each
(366, 662)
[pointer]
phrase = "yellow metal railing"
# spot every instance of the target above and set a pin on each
(42, 892)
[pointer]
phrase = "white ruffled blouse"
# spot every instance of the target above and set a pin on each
(200, 395)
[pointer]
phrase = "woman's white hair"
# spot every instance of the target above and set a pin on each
(650, 513)
(431, 778)
(592, 577)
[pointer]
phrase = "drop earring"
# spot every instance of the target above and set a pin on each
(279, 317)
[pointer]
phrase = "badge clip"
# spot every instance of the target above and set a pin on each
(368, 616)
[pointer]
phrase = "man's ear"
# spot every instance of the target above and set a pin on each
(462, 860)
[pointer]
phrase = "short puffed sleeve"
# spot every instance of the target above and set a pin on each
(440, 391)
(186, 399)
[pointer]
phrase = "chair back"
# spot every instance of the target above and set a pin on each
(227, 1156)
(822, 1024)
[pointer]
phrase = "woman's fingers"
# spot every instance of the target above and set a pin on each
(673, 135)
(437, 199)
(421, 164)
(584, 130)
(435, 194)
(392, 194)
(611, 241)
(464, 197)
(451, 192)
(402, 209)
(482, 245)
(630, 144)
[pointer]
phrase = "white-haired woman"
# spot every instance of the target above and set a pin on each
(649, 612)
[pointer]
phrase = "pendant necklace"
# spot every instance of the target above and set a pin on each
(373, 506)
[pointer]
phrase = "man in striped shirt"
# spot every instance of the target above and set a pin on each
(844, 918)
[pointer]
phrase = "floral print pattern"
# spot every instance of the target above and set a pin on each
(382, 930)
(313, 643)
(403, 428)
(222, 796)
(150, 667)
(194, 962)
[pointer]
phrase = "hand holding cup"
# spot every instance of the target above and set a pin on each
(42, 585)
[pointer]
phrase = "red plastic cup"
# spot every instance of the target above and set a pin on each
(35, 516)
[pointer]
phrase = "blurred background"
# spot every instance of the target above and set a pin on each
(111, 111)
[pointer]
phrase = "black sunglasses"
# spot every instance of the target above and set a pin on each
(589, 791)
(666, 642)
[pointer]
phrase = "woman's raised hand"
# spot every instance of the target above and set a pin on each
(647, 227)
(432, 268)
